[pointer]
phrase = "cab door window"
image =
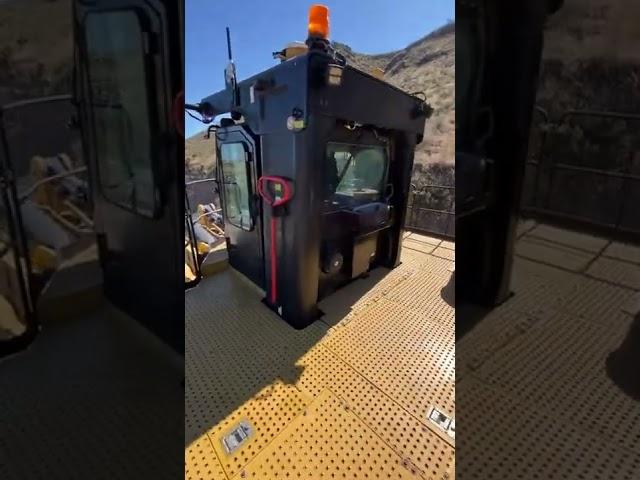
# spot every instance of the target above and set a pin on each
(236, 185)
(120, 107)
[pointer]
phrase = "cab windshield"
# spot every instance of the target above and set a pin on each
(356, 173)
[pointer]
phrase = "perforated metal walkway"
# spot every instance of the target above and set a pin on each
(347, 397)
(536, 394)
(84, 400)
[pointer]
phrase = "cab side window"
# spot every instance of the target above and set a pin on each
(236, 187)
(119, 104)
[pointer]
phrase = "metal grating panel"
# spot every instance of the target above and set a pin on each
(524, 226)
(405, 354)
(576, 240)
(537, 287)
(237, 350)
(328, 441)
(267, 413)
(347, 302)
(96, 397)
(425, 239)
(570, 362)
(201, 462)
(554, 254)
(623, 251)
(536, 400)
(418, 246)
(445, 253)
(615, 271)
(632, 305)
(235, 347)
(447, 244)
(491, 444)
(409, 436)
(428, 264)
(436, 299)
(596, 301)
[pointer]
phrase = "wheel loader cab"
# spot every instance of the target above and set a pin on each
(314, 177)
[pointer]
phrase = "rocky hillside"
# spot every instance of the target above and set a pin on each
(199, 157)
(428, 66)
(591, 59)
(590, 62)
(27, 29)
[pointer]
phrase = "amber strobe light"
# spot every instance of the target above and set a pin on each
(319, 21)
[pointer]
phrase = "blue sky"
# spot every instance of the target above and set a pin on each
(259, 28)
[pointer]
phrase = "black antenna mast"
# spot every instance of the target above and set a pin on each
(230, 73)
(229, 45)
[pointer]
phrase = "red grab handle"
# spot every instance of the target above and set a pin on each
(286, 189)
(287, 193)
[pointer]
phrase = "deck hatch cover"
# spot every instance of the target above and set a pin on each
(232, 441)
(439, 418)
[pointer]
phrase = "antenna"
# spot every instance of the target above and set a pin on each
(230, 73)
(229, 45)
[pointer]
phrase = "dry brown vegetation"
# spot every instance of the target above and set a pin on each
(591, 58)
(35, 48)
(428, 66)
(199, 157)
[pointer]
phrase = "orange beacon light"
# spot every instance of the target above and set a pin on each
(319, 21)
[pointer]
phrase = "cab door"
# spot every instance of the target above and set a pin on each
(237, 175)
(129, 73)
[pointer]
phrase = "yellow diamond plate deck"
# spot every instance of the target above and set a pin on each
(347, 397)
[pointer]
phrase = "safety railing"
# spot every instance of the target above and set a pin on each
(431, 210)
(584, 170)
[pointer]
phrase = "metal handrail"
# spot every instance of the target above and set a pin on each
(194, 182)
(37, 101)
(626, 176)
(414, 207)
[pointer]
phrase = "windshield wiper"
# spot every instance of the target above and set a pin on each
(344, 170)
